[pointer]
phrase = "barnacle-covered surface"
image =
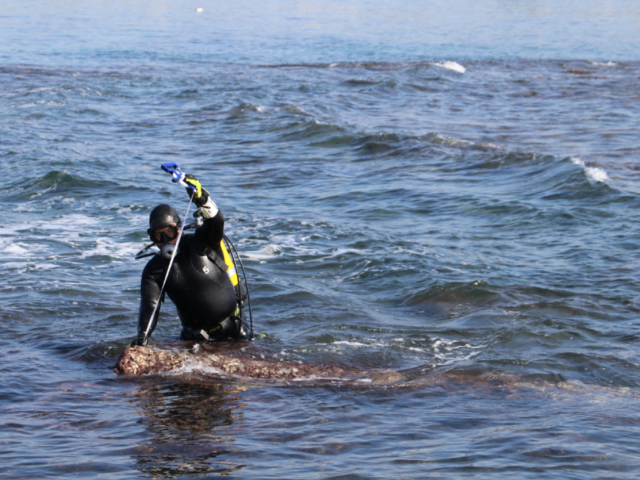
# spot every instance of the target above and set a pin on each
(220, 360)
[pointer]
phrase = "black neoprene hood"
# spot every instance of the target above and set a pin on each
(162, 215)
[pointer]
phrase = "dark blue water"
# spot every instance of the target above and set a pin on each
(449, 191)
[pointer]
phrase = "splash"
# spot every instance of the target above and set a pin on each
(593, 173)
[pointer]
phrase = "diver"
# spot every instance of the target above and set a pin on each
(202, 282)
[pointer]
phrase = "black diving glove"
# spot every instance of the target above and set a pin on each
(200, 196)
(140, 342)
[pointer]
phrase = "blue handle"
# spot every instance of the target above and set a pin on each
(173, 169)
(170, 167)
(178, 176)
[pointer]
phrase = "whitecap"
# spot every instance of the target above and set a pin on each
(593, 173)
(456, 67)
(449, 141)
(597, 174)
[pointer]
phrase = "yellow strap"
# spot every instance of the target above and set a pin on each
(231, 270)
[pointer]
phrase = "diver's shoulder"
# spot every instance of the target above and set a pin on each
(154, 263)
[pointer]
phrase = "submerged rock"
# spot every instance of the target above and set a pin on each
(221, 360)
(577, 71)
(250, 363)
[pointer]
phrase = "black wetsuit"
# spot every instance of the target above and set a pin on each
(198, 286)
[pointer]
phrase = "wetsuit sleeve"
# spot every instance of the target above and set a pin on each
(211, 231)
(149, 292)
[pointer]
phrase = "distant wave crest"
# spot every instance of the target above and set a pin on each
(456, 67)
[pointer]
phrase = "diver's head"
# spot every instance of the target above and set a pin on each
(164, 225)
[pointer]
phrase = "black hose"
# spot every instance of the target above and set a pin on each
(141, 252)
(235, 255)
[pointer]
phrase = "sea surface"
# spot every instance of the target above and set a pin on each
(447, 189)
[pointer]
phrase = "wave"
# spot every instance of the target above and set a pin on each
(477, 292)
(55, 182)
(320, 133)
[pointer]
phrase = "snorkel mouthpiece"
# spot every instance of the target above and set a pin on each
(167, 251)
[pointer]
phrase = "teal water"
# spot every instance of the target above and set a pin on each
(171, 32)
(449, 191)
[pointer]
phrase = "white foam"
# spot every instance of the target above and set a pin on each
(315, 377)
(13, 265)
(109, 248)
(604, 64)
(593, 173)
(352, 344)
(597, 174)
(14, 249)
(456, 67)
(191, 365)
(448, 352)
(343, 251)
(43, 266)
(75, 222)
(268, 252)
(460, 359)
(69, 230)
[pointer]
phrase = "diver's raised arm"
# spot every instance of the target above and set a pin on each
(212, 230)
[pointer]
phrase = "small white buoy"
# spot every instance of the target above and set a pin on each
(199, 9)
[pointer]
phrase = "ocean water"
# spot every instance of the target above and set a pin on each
(449, 190)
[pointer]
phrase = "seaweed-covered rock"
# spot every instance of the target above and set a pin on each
(224, 361)
(148, 361)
